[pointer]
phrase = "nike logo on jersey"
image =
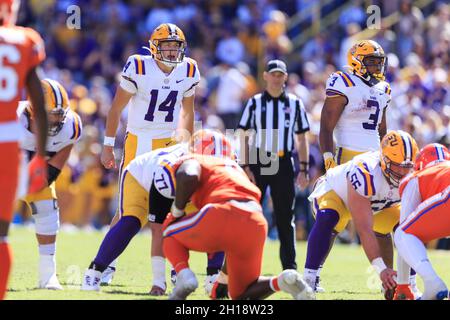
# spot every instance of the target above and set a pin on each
(55, 143)
(178, 81)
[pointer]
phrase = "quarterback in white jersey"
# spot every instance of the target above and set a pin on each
(364, 190)
(159, 91)
(63, 132)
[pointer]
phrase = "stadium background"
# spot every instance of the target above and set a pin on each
(231, 41)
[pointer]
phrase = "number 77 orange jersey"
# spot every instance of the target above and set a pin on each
(21, 50)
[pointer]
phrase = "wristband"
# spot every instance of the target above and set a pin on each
(177, 213)
(109, 141)
(378, 265)
(327, 155)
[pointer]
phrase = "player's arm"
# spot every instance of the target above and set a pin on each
(362, 216)
(34, 89)
(121, 99)
(382, 128)
(57, 162)
(186, 121)
(37, 169)
(188, 180)
(331, 112)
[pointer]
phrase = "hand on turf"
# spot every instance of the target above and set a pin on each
(387, 277)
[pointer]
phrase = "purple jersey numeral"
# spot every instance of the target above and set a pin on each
(167, 105)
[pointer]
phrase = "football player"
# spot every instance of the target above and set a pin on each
(159, 90)
(147, 190)
(230, 219)
(64, 130)
(21, 52)
(354, 111)
(364, 190)
(425, 216)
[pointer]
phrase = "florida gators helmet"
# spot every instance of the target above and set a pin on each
(167, 32)
(8, 12)
(56, 104)
(430, 155)
(212, 143)
(364, 54)
(398, 152)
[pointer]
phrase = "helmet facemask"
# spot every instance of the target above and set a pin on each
(377, 61)
(56, 120)
(395, 172)
(163, 50)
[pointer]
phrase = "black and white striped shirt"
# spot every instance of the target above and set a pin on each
(275, 121)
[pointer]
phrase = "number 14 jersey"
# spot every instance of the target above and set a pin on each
(357, 128)
(157, 96)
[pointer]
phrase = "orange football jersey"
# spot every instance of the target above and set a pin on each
(221, 180)
(432, 180)
(21, 49)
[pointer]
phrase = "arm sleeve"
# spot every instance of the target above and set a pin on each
(128, 79)
(248, 115)
(411, 198)
(301, 123)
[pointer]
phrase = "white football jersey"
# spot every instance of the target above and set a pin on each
(157, 96)
(150, 167)
(69, 133)
(365, 175)
(357, 128)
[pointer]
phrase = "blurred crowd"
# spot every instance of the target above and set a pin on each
(231, 41)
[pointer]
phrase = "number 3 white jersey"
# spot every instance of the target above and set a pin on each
(357, 128)
(157, 96)
(365, 175)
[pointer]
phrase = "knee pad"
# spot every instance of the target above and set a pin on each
(46, 216)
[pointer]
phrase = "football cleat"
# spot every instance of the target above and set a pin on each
(157, 291)
(108, 275)
(436, 290)
(186, 284)
(91, 280)
(50, 284)
(215, 289)
(403, 292)
(290, 281)
(318, 287)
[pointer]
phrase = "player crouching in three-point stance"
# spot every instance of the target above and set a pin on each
(425, 216)
(230, 219)
(64, 130)
(366, 191)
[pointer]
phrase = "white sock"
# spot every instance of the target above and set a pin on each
(113, 264)
(310, 274)
(403, 270)
(47, 249)
(47, 267)
(159, 271)
(414, 253)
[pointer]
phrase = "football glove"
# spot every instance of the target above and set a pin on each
(329, 160)
(37, 171)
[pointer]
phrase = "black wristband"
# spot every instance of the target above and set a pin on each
(52, 173)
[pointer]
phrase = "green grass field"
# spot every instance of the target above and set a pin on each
(347, 274)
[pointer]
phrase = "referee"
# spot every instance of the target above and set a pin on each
(274, 121)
